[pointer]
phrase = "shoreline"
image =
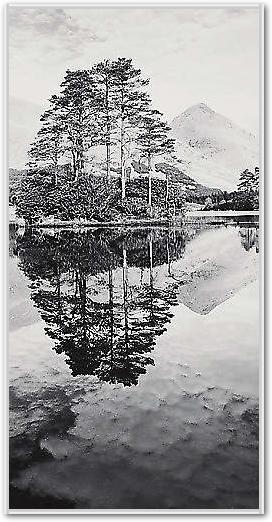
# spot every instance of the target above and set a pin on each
(141, 222)
(222, 213)
(104, 224)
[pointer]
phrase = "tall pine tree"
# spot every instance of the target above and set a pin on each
(152, 140)
(103, 76)
(47, 149)
(131, 103)
(76, 110)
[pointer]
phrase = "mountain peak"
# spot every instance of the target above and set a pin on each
(198, 111)
(202, 106)
(213, 149)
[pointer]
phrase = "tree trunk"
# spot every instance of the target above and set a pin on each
(82, 293)
(56, 170)
(168, 254)
(122, 162)
(149, 183)
(108, 160)
(125, 304)
(123, 173)
(81, 162)
(74, 164)
(167, 190)
(151, 280)
(59, 289)
(78, 165)
(108, 132)
(76, 174)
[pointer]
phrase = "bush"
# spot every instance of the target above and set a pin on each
(90, 198)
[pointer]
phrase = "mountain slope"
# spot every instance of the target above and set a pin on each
(213, 150)
(188, 184)
(175, 175)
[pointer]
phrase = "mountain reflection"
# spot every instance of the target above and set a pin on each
(98, 296)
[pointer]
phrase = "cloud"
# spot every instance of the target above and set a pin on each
(189, 53)
(48, 28)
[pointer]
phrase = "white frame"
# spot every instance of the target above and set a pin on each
(142, 4)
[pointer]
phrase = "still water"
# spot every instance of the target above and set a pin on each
(133, 365)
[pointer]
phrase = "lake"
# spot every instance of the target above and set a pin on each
(133, 367)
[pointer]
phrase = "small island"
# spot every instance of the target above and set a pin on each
(104, 156)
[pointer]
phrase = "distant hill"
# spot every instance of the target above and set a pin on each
(188, 185)
(176, 175)
(212, 149)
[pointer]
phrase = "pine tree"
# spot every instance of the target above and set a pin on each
(102, 74)
(153, 140)
(131, 102)
(256, 180)
(247, 196)
(47, 149)
(246, 181)
(76, 110)
(107, 105)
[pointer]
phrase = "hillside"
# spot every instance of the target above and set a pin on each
(137, 186)
(212, 149)
(188, 185)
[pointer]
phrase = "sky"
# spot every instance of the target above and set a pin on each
(191, 55)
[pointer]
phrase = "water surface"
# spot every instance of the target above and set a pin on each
(134, 367)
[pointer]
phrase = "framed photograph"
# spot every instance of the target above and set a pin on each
(135, 273)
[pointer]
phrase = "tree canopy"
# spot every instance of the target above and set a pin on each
(94, 127)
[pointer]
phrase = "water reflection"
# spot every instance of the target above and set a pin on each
(186, 435)
(97, 293)
(97, 313)
(249, 238)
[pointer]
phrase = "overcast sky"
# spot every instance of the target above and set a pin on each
(191, 54)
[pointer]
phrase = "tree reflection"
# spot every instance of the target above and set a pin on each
(249, 238)
(97, 309)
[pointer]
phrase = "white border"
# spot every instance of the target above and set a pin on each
(106, 512)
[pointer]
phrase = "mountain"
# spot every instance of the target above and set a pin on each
(212, 149)
(221, 264)
(190, 186)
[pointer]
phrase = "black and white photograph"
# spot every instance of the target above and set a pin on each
(135, 207)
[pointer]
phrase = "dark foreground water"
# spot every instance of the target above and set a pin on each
(133, 360)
